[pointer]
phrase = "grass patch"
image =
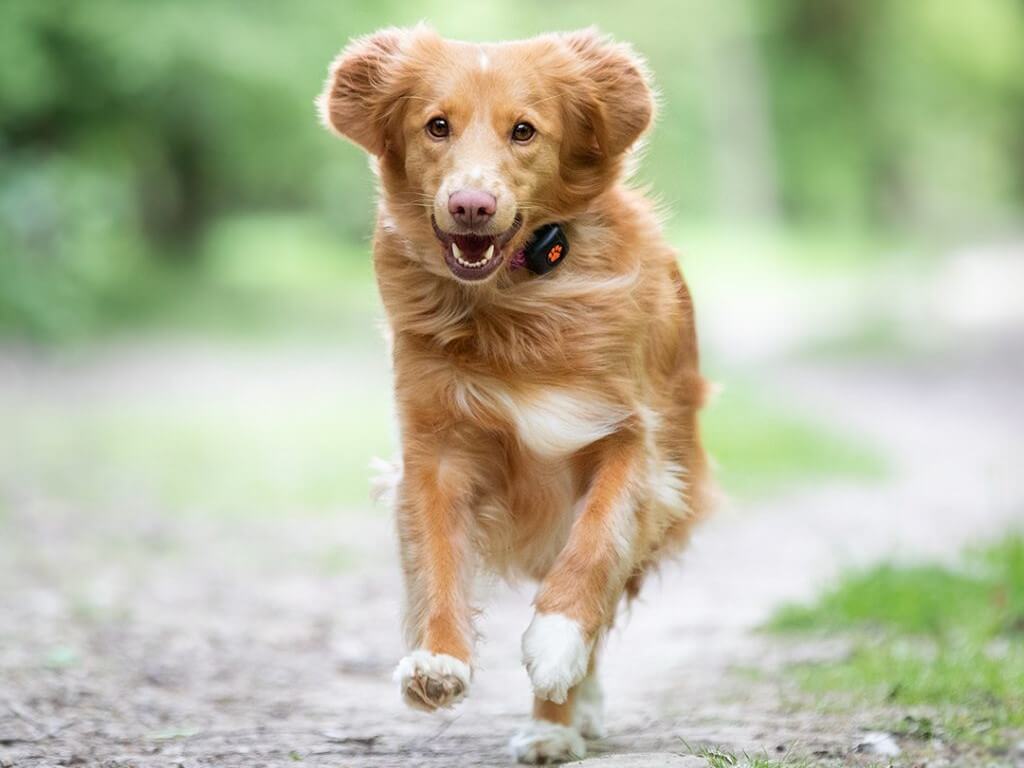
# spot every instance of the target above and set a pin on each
(246, 452)
(719, 757)
(761, 448)
(877, 337)
(950, 640)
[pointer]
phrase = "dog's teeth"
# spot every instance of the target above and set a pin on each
(488, 255)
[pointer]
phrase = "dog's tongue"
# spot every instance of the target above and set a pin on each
(472, 247)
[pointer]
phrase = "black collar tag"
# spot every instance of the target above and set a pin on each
(547, 248)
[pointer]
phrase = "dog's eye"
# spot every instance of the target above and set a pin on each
(523, 132)
(438, 128)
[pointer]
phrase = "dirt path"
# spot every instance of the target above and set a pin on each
(129, 639)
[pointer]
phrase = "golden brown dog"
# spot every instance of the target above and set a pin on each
(548, 420)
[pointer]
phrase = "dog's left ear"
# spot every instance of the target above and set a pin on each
(616, 99)
(365, 88)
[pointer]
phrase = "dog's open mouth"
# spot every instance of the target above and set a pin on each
(474, 257)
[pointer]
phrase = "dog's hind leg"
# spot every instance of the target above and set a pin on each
(588, 716)
(433, 532)
(550, 736)
(555, 733)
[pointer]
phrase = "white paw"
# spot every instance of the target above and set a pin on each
(556, 655)
(542, 742)
(589, 715)
(430, 681)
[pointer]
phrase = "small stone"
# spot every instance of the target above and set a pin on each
(878, 743)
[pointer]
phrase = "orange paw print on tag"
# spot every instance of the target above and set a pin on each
(555, 254)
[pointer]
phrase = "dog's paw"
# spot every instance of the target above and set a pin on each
(542, 743)
(430, 681)
(556, 654)
(589, 715)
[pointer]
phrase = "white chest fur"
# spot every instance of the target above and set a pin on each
(550, 422)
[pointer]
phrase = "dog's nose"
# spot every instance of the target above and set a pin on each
(472, 207)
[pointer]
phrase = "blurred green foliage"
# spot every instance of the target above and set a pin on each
(130, 130)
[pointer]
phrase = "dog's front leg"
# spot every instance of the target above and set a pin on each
(433, 520)
(576, 601)
(578, 597)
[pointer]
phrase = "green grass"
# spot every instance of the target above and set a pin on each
(949, 640)
(719, 757)
(875, 337)
(231, 452)
(763, 448)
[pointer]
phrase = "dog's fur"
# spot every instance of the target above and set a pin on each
(548, 423)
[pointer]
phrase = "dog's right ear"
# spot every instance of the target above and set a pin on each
(365, 85)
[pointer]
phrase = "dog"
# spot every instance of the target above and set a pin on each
(545, 357)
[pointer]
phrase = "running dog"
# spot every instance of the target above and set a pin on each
(545, 358)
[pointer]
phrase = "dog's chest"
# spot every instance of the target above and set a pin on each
(551, 422)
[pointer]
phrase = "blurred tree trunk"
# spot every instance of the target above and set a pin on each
(736, 109)
(174, 207)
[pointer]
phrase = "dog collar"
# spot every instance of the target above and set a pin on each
(546, 249)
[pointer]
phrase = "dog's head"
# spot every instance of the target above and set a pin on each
(480, 144)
